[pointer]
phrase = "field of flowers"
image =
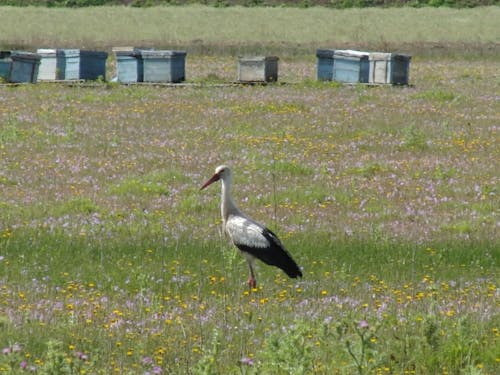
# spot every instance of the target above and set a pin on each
(113, 261)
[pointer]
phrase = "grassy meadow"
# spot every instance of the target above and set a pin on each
(238, 30)
(113, 262)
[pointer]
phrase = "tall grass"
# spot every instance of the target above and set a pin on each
(236, 28)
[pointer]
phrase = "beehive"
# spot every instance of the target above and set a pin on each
(48, 69)
(164, 66)
(5, 65)
(129, 64)
(24, 67)
(76, 64)
(258, 69)
(389, 68)
(351, 66)
(325, 64)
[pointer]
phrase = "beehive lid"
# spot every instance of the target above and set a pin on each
(150, 54)
(128, 53)
(259, 58)
(46, 52)
(328, 53)
(69, 52)
(351, 53)
(134, 52)
(386, 56)
(401, 56)
(23, 55)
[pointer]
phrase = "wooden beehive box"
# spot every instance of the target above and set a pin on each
(258, 69)
(75, 64)
(129, 64)
(69, 64)
(389, 68)
(93, 64)
(325, 64)
(164, 66)
(48, 69)
(24, 67)
(5, 65)
(351, 66)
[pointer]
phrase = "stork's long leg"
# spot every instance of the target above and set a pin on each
(252, 283)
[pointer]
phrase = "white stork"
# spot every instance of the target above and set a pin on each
(253, 239)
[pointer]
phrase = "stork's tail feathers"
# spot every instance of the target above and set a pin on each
(282, 257)
(289, 266)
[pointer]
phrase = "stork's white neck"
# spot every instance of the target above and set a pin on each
(227, 204)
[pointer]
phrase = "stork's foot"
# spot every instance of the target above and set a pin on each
(252, 283)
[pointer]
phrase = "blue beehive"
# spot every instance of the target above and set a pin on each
(164, 66)
(93, 64)
(5, 64)
(325, 64)
(24, 67)
(80, 64)
(69, 63)
(129, 65)
(351, 66)
(389, 68)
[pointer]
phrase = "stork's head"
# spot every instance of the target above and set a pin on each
(221, 172)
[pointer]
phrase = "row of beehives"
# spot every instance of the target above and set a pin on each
(138, 65)
(51, 64)
(363, 67)
(135, 65)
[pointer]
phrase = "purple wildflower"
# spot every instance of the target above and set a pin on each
(82, 356)
(363, 324)
(246, 361)
(147, 361)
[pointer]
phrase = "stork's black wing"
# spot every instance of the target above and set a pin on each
(261, 243)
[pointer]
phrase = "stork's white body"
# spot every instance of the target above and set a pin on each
(253, 239)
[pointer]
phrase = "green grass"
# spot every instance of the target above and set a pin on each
(112, 260)
(180, 304)
(153, 184)
(202, 29)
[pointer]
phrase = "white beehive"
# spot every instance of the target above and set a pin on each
(258, 69)
(389, 68)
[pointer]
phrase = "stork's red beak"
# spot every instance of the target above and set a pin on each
(214, 178)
